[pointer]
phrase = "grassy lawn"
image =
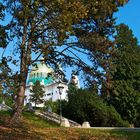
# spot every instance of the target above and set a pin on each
(36, 128)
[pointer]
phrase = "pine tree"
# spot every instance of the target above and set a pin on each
(94, 38)
(41, 26)
(37, 93)
(125, 88)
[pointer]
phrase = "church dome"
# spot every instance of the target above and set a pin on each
(41, 72)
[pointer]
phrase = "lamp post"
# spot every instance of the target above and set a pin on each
(60, 88)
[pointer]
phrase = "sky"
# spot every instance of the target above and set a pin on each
(130, 15)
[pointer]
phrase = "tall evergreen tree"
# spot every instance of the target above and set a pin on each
(125, 88)
(37, 93)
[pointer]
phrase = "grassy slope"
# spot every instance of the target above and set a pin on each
(35, 128)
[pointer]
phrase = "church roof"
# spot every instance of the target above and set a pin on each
(41, 72)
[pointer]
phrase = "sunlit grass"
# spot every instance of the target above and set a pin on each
(36, 121)
(35, 128)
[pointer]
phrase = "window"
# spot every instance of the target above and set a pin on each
(48, 94)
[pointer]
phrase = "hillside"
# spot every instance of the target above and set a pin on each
(35, 128)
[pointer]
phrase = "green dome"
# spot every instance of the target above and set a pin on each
(41, 73)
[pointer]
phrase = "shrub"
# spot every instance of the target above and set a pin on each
(87, 106)
(54, 106)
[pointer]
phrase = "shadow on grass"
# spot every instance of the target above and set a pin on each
(24, 130)
(15, 134)
(126, 134)
(33, 127)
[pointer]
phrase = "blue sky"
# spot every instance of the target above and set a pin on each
(130, 15)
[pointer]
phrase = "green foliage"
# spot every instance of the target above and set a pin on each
(3, 34)
(8, 80)
(6, 97)
(5, 113)
(125, 100)
(72, 88)
(37, 93)
(137, 122)
(4, 70)
(94, 37)
(125, 84)
(85, 105)
(9, 100)
(52, 106)
(41, 26)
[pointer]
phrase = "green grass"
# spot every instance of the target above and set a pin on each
(130, 135)
(35, 128)
(5, 113)
(37, 121)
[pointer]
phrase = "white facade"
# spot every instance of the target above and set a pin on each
(50, 84)
(51, 93)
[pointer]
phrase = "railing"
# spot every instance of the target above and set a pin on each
(5, 107)
(56, 118)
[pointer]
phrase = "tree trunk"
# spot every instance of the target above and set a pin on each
(25, 58)
(17, 110)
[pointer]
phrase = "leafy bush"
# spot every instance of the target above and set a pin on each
(54, 106)
(8, 100)
(87, 106)
(137, 122)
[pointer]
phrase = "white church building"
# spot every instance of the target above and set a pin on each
(51, 82)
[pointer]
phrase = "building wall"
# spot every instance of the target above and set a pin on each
(51, 93)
